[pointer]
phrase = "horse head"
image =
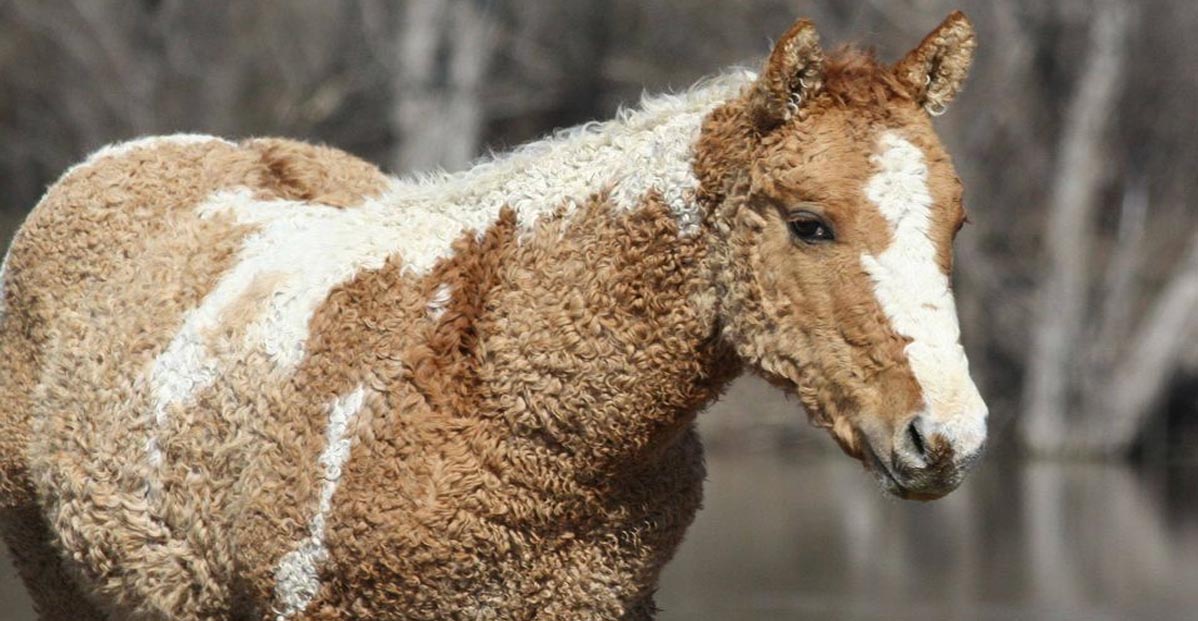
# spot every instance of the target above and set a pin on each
(835, 206)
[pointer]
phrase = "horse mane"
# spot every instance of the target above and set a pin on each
(853, 77)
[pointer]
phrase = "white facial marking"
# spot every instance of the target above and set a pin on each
(917, 297)
(441, 299)
(296, 575)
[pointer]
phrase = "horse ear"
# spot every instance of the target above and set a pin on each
(792, 75)
(935, 70)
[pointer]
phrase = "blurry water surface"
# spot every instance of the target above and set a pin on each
(811, 537)
(807, 535)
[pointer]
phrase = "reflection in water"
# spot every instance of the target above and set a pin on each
(14, 603)
(811, 537)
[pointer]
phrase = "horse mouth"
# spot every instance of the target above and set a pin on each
(883, 474)
(890, 482)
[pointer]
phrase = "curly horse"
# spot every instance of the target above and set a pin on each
(262, 380)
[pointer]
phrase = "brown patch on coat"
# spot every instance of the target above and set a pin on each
(99, 294)
(231, 326)
(371, 331)
(314, 174)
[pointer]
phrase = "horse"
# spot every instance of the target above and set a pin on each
(263, 380)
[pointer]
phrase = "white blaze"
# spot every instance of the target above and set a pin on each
(297, 578)
(917, 297)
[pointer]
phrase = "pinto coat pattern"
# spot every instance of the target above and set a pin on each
(262, 380)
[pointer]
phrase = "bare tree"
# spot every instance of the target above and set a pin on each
(444, 51)
(1080, 173)
(1138, 383)
(1095, 375)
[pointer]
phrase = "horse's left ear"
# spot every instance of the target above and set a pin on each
(935, 70)
(792, 75)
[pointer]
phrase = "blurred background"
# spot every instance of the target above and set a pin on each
(1077, 279)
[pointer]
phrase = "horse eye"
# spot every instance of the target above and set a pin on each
(809, 228)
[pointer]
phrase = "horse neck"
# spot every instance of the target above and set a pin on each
(600, 332)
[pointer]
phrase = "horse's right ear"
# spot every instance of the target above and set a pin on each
(792, 75)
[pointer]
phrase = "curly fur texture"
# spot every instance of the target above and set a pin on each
(262, 380)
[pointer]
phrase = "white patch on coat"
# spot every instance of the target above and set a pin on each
(305, 250)
(117, 149)
(297, 577)
(918, 299)
(440, 300)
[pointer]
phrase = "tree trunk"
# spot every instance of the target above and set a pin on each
(1140, 380)
(444, 52)
(1061, 308)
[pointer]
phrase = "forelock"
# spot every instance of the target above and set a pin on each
(853, 77)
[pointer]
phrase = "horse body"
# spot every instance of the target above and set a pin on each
(265, 381)
(487, 356)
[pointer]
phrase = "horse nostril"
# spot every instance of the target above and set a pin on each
(917, 440)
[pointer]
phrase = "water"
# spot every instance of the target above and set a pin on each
(14, 603)
(810, 538)
(805, 535)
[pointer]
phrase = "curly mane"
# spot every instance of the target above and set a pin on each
(854, 77)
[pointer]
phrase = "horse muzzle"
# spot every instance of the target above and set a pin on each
(925, 459)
